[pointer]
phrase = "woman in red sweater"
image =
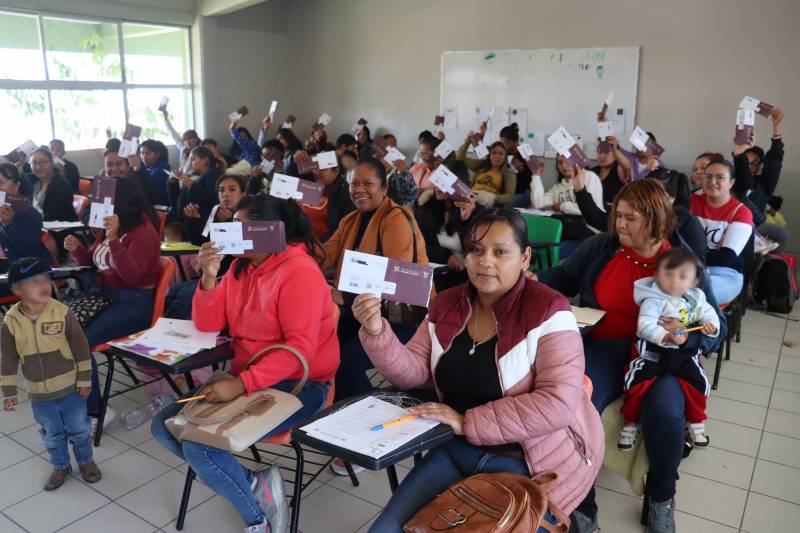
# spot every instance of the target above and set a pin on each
(263, 300)
(126, 255)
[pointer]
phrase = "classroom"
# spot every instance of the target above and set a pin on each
(384, 266)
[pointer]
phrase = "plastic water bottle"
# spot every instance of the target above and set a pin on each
(137, 416)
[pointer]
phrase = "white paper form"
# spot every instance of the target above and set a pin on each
(605, 130)
(272, 108)
(324, 119)
(164, 103)
(267, 165)
(59, 225)
(285, 187)
(99, 211)
(178, 335)
(326, 160)
(350, 427)
(128, 147)
(443, 150)
(27, 147)
(481, 150)
(748, 102)
(364, 273)
(745, 117)
(393, 154)
(443, 179)
(561, 140)
(639, 139)
(229, 238)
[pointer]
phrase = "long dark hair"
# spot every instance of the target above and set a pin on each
(131, 206)
(291, 139)
(158, 147)
(202, 151)
(298, 228)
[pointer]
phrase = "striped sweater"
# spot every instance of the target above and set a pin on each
(53, 350)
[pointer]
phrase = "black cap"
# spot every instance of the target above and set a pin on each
(26, 268)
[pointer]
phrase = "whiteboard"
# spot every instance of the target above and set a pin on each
(541, 90)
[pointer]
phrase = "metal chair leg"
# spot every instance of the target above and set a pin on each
(298, 486)
(719, 365)
(129, 371)
(187, 490)
(104, 399)
(256, 453)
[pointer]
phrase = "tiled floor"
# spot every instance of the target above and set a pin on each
(748, 480)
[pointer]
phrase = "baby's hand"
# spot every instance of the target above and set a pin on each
(709, 329)
(10, 404)
(676, 338)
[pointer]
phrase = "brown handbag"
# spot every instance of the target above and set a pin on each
(496, 503)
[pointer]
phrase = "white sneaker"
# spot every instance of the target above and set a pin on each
(697, 433)
(337, 465)
(627, 437)
(263, 527)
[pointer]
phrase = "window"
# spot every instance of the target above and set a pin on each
(76, 79)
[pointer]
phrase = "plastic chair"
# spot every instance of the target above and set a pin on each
(159, 297)
(84, 186)
(733, 312)
(543, 230)
(283, 439)
(79, 204)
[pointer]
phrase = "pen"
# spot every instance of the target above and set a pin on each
(393, 422)
(191, 398)
(682, 331)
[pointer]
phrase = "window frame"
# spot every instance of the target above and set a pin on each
(49, 85)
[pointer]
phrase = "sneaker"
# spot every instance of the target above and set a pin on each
(57, 477)
(263, 527)
(581, 523)
(661, 517)
(627, 437)
(337, 465)
(271, 497)
(90, 473)
(697, 434)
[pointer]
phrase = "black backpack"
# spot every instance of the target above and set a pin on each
(775, 283)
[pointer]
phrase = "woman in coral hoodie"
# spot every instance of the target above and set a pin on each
(263, 300)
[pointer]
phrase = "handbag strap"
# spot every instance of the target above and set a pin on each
(300, 384)
(410, 220)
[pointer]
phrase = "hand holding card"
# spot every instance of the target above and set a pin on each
(481, 151)
(17, 202)
(303, 191)
(390, 279)
(762, 108)
(644, 143)
(566, 145)
(239, 114)
(289, 122)
(323, 120)
(531, 161)
(745, 123)
(447, 182)
(102, 196)
(249, 236)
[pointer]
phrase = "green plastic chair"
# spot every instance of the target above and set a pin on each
(543, 230)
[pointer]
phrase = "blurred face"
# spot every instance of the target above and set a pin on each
(8, 186)
(366, 189)
(214, 149)
(240, 216)
(698, 170)
(362, 136)
(564, 167)
(497, 157)
(511, 144)
(283, 141)
(190, 141)
(676, 281)
(754, 162)
(606, 159)
(717, 183)
(42, 166)
(318, 135)
(114, 165)
(149, 157)
(392, 141)
(348, 163)
(327, 176)
(36, 290)
(631, 226)
(57, 150)
(199, 164)
(229, 193)
(425, 151)
(496, 262)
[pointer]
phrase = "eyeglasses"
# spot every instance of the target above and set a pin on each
(40, 162)
(716, 177)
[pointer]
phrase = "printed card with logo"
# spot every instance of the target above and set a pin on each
(745, 124)
(303, 191)
(642, 142)
(102, 195)
(390, 279)
(762, 108)
(448, 183)
(565, 144)
(256, 236)
(17, 202)
(25, 149)
(478, 146)
(531, 161)
(323, 120)
(239, 114)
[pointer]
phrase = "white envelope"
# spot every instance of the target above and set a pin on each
(364, 273)
(639, 139)
(561, 140)
(481, 150)
(605, 130)
(326, 160)
(443, 150)
(443, 179)
(228, 237)
(27, 147)
(525, 150)
(745, 117)
(235, 116)
(283, 186)
(748, 102)
(393, 154)
(272, 108)
(324, 119)
(99, 211)
(128, 147)
(267, 165)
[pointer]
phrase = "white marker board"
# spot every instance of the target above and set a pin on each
(546, 88)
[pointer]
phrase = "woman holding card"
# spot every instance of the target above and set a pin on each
(52, 193)
(200, 191)
(335, 205)
(602, 272)
(378, 226)
(20, 230)
(422, 170)
(263, 300)
(495, 181)
(127, 258)
(509, 376)
(155, 160)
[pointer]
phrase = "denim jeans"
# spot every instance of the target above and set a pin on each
(521, 199)
(62, 419)
(661, 416)
(131, 311)
(726, 283)
(179, 299)
(443, 466)
(219, 469)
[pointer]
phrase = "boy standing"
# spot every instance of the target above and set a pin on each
(45, 336)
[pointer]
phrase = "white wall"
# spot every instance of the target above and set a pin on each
(381, 59)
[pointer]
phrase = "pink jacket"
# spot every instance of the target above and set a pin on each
(540, 361)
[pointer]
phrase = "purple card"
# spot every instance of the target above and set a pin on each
(307, 166)
(412, 282)
(312, 192)
(577, 157)
(744, 134)
(18, 203)
(268, 236)
(764, 109)
(653, 148)
(438, 120)
(103, 188)
(132, 131)
(604, 148)
(533, 163)
(379, 147)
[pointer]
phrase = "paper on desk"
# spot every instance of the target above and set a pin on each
(179, 335)
(586, 316)
(350, 427)
(537, 212)
(57, 225)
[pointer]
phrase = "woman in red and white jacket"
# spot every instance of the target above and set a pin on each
(263, 300)
(506, 358)
(126, 255)
(728, 224)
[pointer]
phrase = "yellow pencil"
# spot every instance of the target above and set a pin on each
(392, 423)
(190, 398)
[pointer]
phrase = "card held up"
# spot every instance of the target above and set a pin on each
(102, 196)
(389, 279)
(447, 182)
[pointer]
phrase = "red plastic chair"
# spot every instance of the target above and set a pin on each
(84, 186)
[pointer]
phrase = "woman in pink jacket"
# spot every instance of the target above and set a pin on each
(506, 357)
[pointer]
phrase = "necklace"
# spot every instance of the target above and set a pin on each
(475, 344)
(636, 261)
